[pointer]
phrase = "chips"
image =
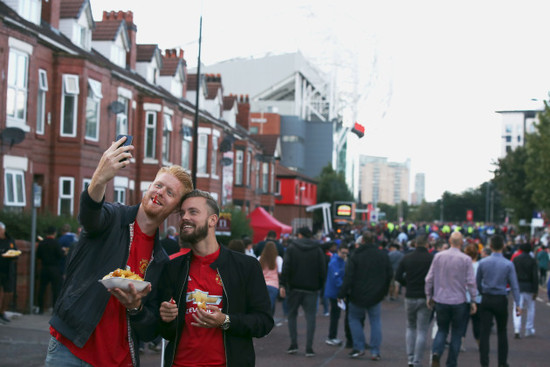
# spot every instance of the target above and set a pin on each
(125, 274)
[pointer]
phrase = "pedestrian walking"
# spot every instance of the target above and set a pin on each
(366, 283)
(51, 255)
(543, 258)
(335, 279)
(411, 274)
(450, 276)
(303, 276)
(528, 281)
(494, 274)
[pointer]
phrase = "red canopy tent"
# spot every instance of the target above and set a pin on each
(262, 222)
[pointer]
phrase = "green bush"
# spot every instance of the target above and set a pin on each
(18, 224)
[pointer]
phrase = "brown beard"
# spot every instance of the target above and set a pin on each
(198, 234)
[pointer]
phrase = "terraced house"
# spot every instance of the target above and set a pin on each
(70, 85)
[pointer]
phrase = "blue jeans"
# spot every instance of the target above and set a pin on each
(451, 317)
(60, 355)
(418, 321)
(272, 291)
(356, 315)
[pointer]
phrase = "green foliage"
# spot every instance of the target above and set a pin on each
(240, 226)
(537, 163)
(511, 181)
(18, 224)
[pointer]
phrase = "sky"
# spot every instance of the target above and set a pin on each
(426, 76)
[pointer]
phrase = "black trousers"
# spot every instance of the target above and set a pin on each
(497, 307)
(49, 275)
(335, 312)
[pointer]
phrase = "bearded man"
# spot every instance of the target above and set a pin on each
(94, 326)
(212, 301)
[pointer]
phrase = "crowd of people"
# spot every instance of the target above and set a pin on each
(209, 300)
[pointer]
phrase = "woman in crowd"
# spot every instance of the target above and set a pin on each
(272, 265)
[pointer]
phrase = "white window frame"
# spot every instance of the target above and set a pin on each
(202, 154)
(122, 117)
(272, 176)
(166, 137)
(186, 145)
(265, 177)
(120, 194)
(248, 164)
(93, 100)
(85, 183)
(64, 196)
(18, 193)
(239, 156)
(257, 183)
(214, 157)
(30, 10)
(41, 101)
(150, 127)
(70, 89)
(18, 88)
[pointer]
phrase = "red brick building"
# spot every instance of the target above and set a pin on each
(73, 84)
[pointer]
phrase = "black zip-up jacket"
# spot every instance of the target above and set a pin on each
(527, 273)
(368, 276)
(103, 246)
(412, 271)
(245, 300)
(304, 266)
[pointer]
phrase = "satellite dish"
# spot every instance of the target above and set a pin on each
(12, 135)
(116, 107)
(226, 161)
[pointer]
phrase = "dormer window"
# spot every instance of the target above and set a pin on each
(30, 10)
(84, 37)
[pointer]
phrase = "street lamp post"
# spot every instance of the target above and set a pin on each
(302, 188)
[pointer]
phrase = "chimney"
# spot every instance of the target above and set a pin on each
(50, 12)
(243, 114)
(131, 28)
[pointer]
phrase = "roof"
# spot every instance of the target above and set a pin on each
(229, 102)
(213, 85)
(170, 66)
(192, 82)
(268, 142)
(146, 52)
(71, 8)
(107, 30)
(284, 172)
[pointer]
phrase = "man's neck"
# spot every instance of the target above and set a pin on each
(207, 246)
(146, 223)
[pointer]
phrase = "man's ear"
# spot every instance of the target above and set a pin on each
(213, 220)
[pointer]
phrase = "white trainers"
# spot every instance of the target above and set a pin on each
(333, 342)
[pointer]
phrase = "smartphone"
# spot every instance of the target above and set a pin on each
(128, 141)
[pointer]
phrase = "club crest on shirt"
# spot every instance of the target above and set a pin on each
(219, 280)
(143, 265)
(199, 297)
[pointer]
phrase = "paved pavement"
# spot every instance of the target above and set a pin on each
(24, 342)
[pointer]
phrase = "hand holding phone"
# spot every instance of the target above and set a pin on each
(128, 141)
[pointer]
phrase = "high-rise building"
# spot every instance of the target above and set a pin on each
(419, 189)
(516, 123)
(381, 181)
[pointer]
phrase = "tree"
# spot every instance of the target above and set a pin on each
(512, 181)
(537, 162)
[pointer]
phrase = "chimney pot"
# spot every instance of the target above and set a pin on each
(181, 54)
